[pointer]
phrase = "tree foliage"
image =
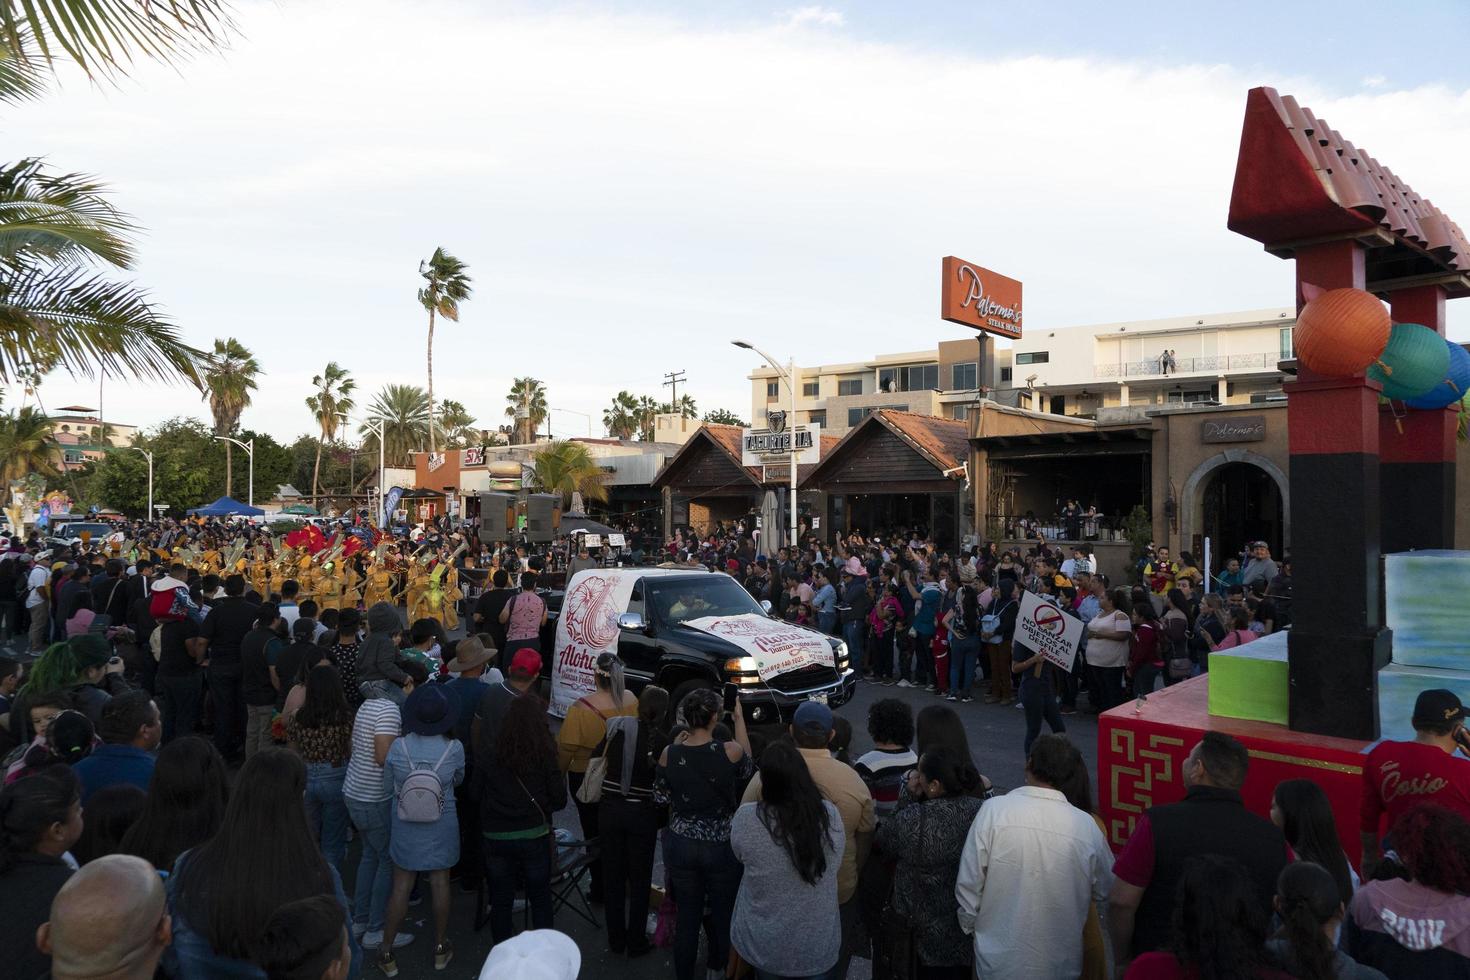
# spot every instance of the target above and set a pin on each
(446, 285)
(404, 412)
(565, 467)
(329, 404)
(529, 395)
(723, 416)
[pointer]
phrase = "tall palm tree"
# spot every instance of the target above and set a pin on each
(528, 396)
(404, 412)
(648, 409)
(26, 445)
(684, 407)
(445, 285)
(457, 424)
(329, 406)
(567, 467)
(228, 381)
(621, 418)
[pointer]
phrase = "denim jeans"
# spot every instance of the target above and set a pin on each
(374, 869)
(326, 810)
(1040, 701)
(699, 871)
(512, 863)
(924, 659)
(963, 652)
(628, 831)
(852, 634)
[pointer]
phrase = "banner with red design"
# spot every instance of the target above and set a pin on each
(776, 647)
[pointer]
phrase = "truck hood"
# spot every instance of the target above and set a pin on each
(720, 647)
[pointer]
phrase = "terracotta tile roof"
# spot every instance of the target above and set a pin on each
(945, 441)
(1326, 186)
(728, 437)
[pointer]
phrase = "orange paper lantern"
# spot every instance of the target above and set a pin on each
(1341, 332)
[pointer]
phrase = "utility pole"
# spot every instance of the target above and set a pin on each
(675, 378)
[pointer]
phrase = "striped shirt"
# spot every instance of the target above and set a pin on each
(365, 782)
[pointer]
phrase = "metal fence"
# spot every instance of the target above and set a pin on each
(1216, 363)
(1054, 528)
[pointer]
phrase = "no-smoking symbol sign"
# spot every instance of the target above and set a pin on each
(1048, 619)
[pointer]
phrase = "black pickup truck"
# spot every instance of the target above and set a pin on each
(656, 646)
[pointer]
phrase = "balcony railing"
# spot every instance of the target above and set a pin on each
(1213, 364)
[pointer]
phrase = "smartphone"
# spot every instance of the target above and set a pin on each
(731, 700)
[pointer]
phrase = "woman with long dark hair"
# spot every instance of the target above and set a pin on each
(997, 633)
(963, 624)
(938, 726)
(1304, 814)
(223, 892)
(520, 788)
(1311, 915)
(1219, 929)
(110, 813)
(926, 835)
(321, 733)
(790, 843)
(40, 819)
(187, 796)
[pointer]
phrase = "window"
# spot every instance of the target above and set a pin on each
(888, 380)
(810, 389)
(1059, 404)
(961, 412)
(1286, 347)
(1034, 357)
(1005, 374)
(923, 377)
(853, 387)
(817, 418)
(963, 377)
(856, 415)
(773, 390)
(1189, 397)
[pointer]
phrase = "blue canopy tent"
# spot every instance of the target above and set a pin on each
(225, 507)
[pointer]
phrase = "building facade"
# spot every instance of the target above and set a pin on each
(79, 431)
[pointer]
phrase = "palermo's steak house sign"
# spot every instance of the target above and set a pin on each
(1241, 428)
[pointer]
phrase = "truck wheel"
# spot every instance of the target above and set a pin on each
(688, 687)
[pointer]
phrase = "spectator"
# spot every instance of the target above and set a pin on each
(418, 846)
(306, 940)
(321, 733)
(1031, 864)
(1210, 628)
(179, 678)
(369, 800)
(488, 606)
(790, 843)
(1211, 820)
(883, 770)
(997, 631)
(1217, 930)
(520, 788)
(523, 616)
(1076, 786)
(1037, 693)
(69, 738)
(230, 618)
(108, 815)
(584, 728)
(342, 652)
(185, 805)
(963, 625)
(939, 726)
(1419, 927)
(288, 607)
(1311, 914)
(377, 657)
(223, 893)
(109, 920)
(259, 681)
(926, 836)
(1260, 568)
(40, 819)
(130, 730)
(1304, 814)
(699, 778)
(1401, 775)
(1109, 635)
(629, 820)
(468, 664)
(1146, 655)
(297, 658)
(811, 729)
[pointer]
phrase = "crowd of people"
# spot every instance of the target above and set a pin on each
(148, 823)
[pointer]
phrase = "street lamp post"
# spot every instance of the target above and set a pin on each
(789, 374)
(249, 448)
(377, 428)
(149, 454)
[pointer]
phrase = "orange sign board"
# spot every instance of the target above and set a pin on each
(978, 298)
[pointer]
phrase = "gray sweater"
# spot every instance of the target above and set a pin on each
(773, 896)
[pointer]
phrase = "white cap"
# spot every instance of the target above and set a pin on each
(540, 954)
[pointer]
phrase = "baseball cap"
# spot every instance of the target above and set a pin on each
(813, 717)
(537, 954)
(1436, 707)
(525, 663)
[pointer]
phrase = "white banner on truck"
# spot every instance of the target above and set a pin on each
(776, 647)
(587, 627)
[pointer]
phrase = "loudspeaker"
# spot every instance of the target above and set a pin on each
(497, 517)
(543, 517)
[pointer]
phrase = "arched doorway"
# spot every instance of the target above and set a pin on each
(1241, 503)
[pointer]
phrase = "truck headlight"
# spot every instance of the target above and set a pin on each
(742, 671)
(840, 654)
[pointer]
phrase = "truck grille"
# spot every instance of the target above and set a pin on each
(805, 679)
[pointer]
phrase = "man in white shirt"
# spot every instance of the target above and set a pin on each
(38, 604)
(1030, 867)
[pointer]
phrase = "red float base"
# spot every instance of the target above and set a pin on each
(1141, 751)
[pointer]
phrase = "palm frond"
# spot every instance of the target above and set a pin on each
(71, 317)
(21, 77)
(59, 217)
(105, 37)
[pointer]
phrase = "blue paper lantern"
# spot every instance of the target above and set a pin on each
(1455, 386)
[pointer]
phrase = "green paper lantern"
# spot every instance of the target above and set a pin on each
(1415, 361)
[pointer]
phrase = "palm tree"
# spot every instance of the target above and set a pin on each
(458, 425)
(26, 445)
(567, 467)
(229, 379)
(648, 410)
(329, 406)
(445, 286)
(684, 407)
(527, 398)
(57, 308)
(404, 412)
(621, 419)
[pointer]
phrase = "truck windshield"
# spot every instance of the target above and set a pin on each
(716, 595)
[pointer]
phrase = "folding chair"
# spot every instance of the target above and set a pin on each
(574, 860)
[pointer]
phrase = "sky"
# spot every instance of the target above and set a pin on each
(634, 186)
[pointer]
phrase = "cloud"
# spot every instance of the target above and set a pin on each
(813, 16)
(1375, 81)
(632, 192)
